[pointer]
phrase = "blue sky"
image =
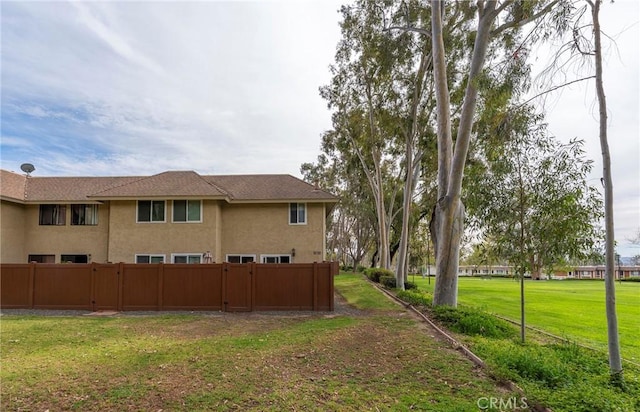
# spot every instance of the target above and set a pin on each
(112, 88)
(137, 88)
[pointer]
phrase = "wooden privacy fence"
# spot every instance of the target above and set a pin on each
(229, 287)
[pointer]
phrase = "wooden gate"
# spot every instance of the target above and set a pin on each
(238, 287)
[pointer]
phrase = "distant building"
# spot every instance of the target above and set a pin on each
(579, 272)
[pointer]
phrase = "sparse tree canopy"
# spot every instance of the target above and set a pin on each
(531, 197)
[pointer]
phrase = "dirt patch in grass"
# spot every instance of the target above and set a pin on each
(347, 360)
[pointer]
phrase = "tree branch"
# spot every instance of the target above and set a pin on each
(523, 22)
(556, 88)
(409, 29)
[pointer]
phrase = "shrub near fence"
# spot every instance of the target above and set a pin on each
(122, 286)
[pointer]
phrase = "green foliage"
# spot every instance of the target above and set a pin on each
(472, 321)
(529, 195)
(374, 274)
(415, 297)
(410, 285)
(388, 281)
(631, 280)
(531, 363)
(564, 377)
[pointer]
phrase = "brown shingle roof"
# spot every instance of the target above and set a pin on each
(173, 184)
(268, 187)
(12, 185)
(167, 184)
(69, 189)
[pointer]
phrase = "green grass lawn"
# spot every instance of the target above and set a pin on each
(381, 359)
(572, 309)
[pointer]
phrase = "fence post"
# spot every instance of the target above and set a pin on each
(160, 285)
(315, 285)
(225, 271)
(335, 269)
(32, 282)
(92, 297)
(120, 273)
(252, 284)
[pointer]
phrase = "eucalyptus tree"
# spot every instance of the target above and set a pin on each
(351, 225)
(498, 26)
(583, 49)
(381, 101)
(533, 201)
(615, 358)
(361, 96)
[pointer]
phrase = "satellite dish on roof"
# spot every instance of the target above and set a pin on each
(27, 168)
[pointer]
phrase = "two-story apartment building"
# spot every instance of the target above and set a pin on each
(171, 217)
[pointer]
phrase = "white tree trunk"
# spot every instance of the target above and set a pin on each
(449, 227)
(449, 211)
(615, 360)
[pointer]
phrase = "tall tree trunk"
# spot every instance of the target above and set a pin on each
(413, 157)
(449, 227)
(449, 210)
(615, 360)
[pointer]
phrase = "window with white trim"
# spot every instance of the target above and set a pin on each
(186, 258)
(275, 258)
(187, 211)
(241, 258)
(53, 215)
(151, 211)
(297, 213)
(84, 215)
(149, 258)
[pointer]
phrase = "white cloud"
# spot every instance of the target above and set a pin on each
(127, 88)
(172, 78)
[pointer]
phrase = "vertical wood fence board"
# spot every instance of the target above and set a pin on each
(192, 287)
(284, 287)
(325, 288)
(120, 285)
(62, 286)
(140, 286)
(16, 289)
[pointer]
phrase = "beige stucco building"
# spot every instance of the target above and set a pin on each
(171, 217)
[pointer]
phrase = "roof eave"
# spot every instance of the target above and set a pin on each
(296, 200)
(157, 197)
(12, 199)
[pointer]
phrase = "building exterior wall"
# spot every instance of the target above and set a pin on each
(258, 229)
(12, 240)
(247, 229)
(128, 237)
(68, 239)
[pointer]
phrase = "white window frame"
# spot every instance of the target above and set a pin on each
(241, 256)
(164, 217)
(277, 256)
(298, 222)
(173, 211)
(150, 256)
(187, 255)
